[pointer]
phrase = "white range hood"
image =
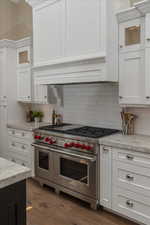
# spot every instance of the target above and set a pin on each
(75, 41)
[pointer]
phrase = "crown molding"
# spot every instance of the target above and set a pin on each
(23, 42)
(143, 7)
(5, 43)
(128, 14)
(35, 3)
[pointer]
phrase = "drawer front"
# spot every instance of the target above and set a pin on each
(132, 178)
(19, 146)
(130, 157)
(20, 134)
(132, 205)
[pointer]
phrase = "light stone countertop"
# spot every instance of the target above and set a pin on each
(139, 143)
(25, 126)
(11, 173)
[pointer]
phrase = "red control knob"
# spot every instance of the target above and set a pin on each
(77, 145)
(35, 137)
(66, 145)
(89, 148)
(83, 146)
(47, 139)
(39, 137)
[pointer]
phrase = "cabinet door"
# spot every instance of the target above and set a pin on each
(105, 176)
(132, 77)
(83, 27)
(24, 84)
(48, 25)
(132, 35)
(40, 94)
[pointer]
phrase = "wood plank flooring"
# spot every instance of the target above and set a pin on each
(51, 209)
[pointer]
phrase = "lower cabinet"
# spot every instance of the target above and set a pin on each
(13, 204)
(20, 148)
(125, 183)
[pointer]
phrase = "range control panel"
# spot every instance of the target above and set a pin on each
(65, 143)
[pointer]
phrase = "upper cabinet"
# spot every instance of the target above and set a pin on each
(49, 31)
(134, 54)
(75, 41)
(83, 24)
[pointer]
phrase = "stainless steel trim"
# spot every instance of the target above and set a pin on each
(81, 156)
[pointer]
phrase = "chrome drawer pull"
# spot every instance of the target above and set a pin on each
(13, 144)
(130, 157)
(129, 204)
(23, 147)
(129, 177)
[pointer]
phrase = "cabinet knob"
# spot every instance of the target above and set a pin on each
(129, 177)
(148, 39)
(129, 203)
(13, 144)
(120, 97)
(45, 96)
(105, 149)
(28, 96)
(148, 97)
(121, 46)
(23, 134)
(130, 157)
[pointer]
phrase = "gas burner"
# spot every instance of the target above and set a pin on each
(91, 132)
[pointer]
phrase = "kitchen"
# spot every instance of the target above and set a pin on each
(74, 107)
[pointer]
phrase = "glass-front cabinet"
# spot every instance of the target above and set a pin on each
(131, 35)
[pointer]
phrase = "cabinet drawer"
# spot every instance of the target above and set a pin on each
(132, 178)
(132, 205)
(18, 146)
(20, 133)
(131, 157)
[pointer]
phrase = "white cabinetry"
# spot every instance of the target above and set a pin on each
(134, 53)
(24, 84)
(27, 89)
(9, 108)
(24, 70)
(105, 175)
(127, 173)
(83, 27)
(74, 41)
(20, 149)
(48, 29)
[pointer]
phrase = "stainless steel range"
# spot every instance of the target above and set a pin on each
(66, 158)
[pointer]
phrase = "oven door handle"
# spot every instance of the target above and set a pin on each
(91, 159)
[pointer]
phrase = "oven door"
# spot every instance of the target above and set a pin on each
(77, 173)
(43, 163)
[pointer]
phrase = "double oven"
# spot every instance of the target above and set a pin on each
(68, 171)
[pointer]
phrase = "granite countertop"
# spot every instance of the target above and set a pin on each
(139, 143)
(11, 173)
(19, 125)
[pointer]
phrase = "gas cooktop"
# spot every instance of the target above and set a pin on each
(78, 130)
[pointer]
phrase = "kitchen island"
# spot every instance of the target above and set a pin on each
(13, 193)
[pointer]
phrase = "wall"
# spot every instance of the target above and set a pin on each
(88, 104)
(15, 20)
(142, 124)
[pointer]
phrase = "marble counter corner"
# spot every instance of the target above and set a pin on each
(139, 143)
(11, 173)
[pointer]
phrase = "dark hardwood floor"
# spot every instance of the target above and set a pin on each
(50, 209)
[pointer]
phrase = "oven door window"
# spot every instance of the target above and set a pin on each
(74, 170)
(43, 160)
